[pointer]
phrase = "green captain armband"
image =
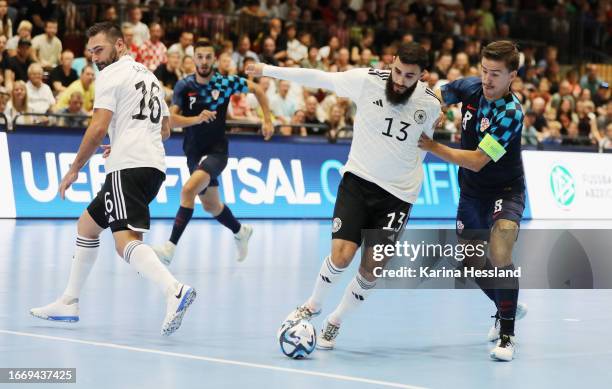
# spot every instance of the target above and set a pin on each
(492, 148)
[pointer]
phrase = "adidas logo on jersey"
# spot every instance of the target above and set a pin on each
(111, 219)
(378, 102)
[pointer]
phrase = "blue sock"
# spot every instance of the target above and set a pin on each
(183, 215)
(226, 217)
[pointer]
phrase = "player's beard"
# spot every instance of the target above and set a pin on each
(112, 59)
(204, 74)
(397, 98)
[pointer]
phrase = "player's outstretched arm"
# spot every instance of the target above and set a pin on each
(469, 159)
(165, 130)
(310, 78)
(267, 128)
(91, 141)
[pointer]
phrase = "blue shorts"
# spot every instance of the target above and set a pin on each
(475, 216)
(213, 164)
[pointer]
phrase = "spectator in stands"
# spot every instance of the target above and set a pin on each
(168, 74)
(187, 66)
(268, 52)
(312, 61)
(184, 46)
(553, 135)
(141, 31)
(327, 54)
(342, 62)
(85, 86)
(296, 119)
(75, 110)
(47, 48)
(271, 8)
(18, 105)
(18, 65)
(606, 141)
(462, 63)
(244, 50)
(295, 49)
(225, 65)
(40, 96)
(605, 117)
(335, 124)
(39, 12)
(590, 80)
(79, 63)
(110, 14)
(310, 115)
(565, 107)
(386, 58)
(281, 105)
(63, 74)
(68, 17)
(538, 106)
(530, 134)
(24, 32)
(285, 7)
(3, 58)
(573, 137)
(564, 93)
(443, 64)
(239, 109)
(6, 24)
(602, 96)
(128, 38)
(153, 51)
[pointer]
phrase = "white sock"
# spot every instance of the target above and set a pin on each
(354, 295)
(145, 261)
(84, 258)
(325, 279)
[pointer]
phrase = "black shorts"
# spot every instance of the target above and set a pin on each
(123, 202)
(361, 205)
(213, 164)
(475, 216)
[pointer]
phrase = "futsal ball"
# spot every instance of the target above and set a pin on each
(297, 339)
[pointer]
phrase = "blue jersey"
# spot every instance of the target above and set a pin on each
(495, 128)
(192, 98)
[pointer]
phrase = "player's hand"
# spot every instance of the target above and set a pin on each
(68, 179)
(107, 151)
(207, 116)
(425, 142)
(267, 129)
(255, 69)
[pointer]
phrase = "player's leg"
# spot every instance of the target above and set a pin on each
(66, 308)
(211, 202)
(134, 190)
(506, 215)
(349, 218)
(197, 182)
(389, 215)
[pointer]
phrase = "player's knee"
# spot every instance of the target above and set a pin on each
(189, 192)
(506, 230)
(87, 227)
(212, 207)
(342, 255)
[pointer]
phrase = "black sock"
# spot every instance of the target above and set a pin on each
(183, 215)
(226, 217)
(485, 283)
(506, 299)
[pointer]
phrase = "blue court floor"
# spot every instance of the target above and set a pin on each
(401, 338)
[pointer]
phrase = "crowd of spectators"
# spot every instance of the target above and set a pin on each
(44, 68)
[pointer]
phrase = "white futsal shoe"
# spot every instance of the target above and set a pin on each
(178, 301)
(64, 310)
(493, 335)
(165, 252)
(504, 350)
(302, 313)
(327, 336)
(242, 241)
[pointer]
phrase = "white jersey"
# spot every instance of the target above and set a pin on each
(384, 148)
(134, 95)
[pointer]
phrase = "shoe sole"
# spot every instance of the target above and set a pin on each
(64, 319)
(175, 323)
(248, 237)
(320, 347)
